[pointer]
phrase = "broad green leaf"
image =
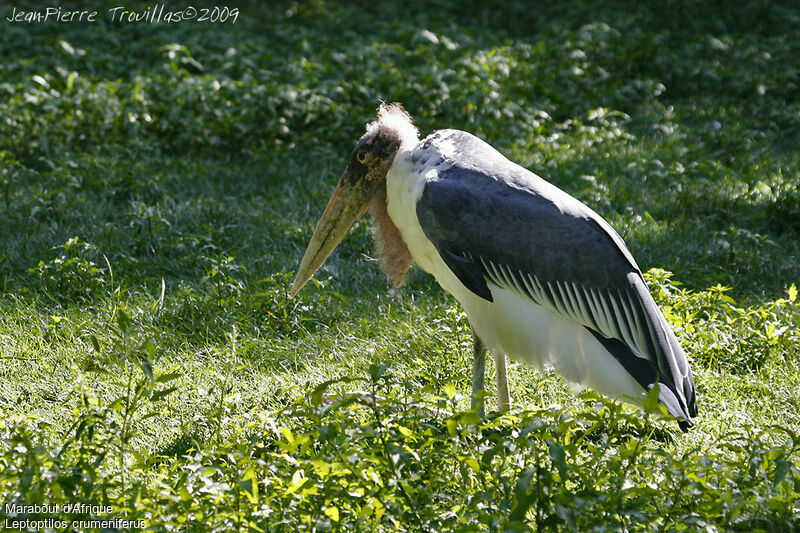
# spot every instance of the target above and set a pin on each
(332, 512)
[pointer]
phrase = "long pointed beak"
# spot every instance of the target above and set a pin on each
(348, 203)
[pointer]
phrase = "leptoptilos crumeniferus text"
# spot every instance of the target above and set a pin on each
(541, 276)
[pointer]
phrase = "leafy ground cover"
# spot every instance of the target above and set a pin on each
(159, 184)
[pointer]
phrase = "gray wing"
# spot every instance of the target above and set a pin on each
(494, 221)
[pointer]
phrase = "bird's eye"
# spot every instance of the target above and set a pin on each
(361, 155)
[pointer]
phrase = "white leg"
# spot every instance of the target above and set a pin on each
(503, 398)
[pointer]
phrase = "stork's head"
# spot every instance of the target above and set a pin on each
(363, 178)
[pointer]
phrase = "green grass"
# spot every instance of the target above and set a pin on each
(159, 185)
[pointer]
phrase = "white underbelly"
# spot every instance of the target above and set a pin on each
(529, 333)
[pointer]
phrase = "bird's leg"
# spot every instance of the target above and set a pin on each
(478, 372)
(503, 398)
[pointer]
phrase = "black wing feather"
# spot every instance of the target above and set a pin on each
(468, 272)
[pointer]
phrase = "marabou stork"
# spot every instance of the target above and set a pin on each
(541, 276)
